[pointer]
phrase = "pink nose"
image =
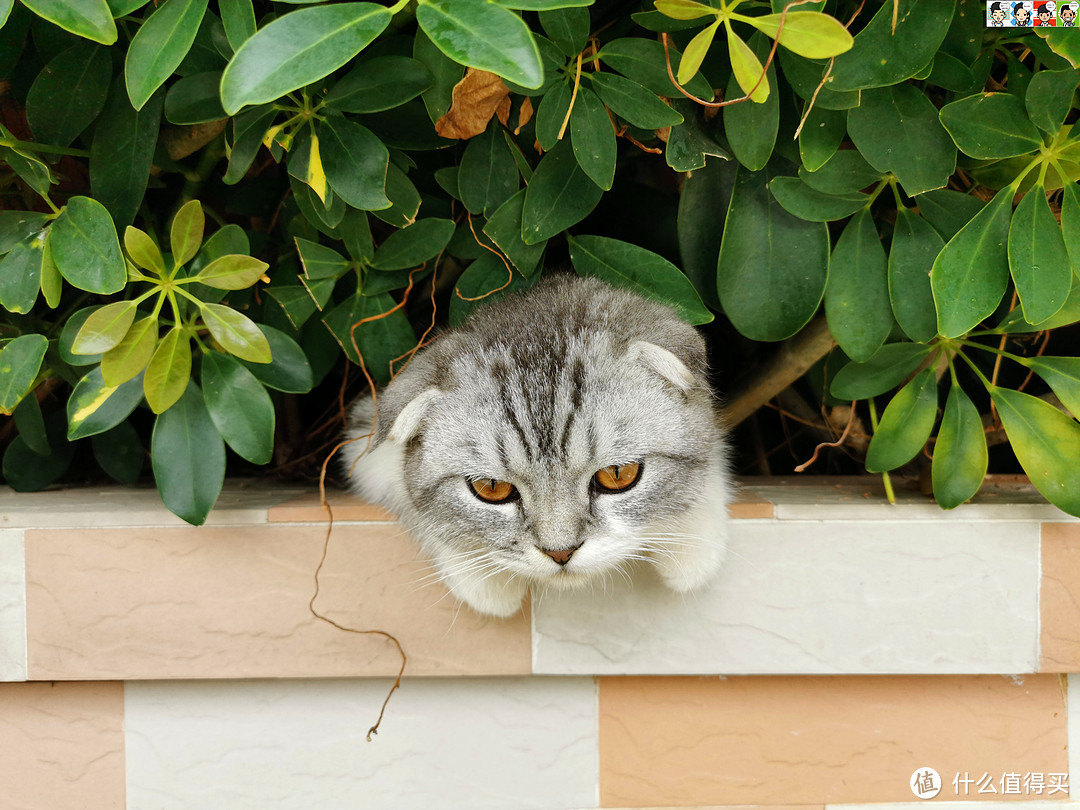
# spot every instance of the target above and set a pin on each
(562, 555)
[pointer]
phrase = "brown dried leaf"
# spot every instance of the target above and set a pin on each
(502, 112)
(477, 97)
(525, 114)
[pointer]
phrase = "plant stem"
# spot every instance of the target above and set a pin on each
(884, 476)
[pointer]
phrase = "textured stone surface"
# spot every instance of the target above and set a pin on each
(12, 607)
(810, 740)
(308, 508)
(233, 603)
(298, 745)
(62, 746)
(1060, 600)
(810, 597)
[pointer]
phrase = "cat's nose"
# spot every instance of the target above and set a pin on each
(561, 555)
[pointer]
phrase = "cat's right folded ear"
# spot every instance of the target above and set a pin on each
(405, 401)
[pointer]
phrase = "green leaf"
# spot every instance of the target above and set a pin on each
(104, 328)
(703, 207)
(356, 233)
(94, 406)
(445, 72)
(890, 366)
(542, 5)
(229, 240)
(119, 452)
(379, 340)
(857, 297)
(186, 232)
(906, 424)
(188, 457)
(751, 128)
(805, 76)
(195, 99)
(1038, 260)
(695, 52)
(746, 68)
(159, 46)
(1049, 97)
(879, 57)
(379, 84)
(549, 116)
(635, 268)
(568, 28)
(484, 279)
(67, 339)
(320, 261)
(808, 203)
(845, 172)
(1063, 376)
(122, 152)
(820, 137)
(593, 139)
(897, 130)
(69, 93)
(633, 102)
(643, 61)
(238, 19)
(403, 196)
(488, 176)
(290, 372)
(915, 245)
(297, 49)
(232, 272)
(1070, 313)
(356, 163)
(132, 354)
(504, 229)
(807, 33)
(51, 281)
(560, 195)
(239, 407)
(295, 301)
(483, 35)
(412, 246)
(971, 272)
(143, 251)
(27, 471)
(90, 19)
(960, 454)
(20, 275)
(84, 245)
(30, 170)
(683, 9)
(169, 370)
(31, 425)
(15, 226)
(772, 267)
(237, 334)
(20, 360)
(948, 211)
(248, 130)
(1047, 444)
(990, 126)
(1070, 224)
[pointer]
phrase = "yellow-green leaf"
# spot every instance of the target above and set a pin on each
(51, 280)
(807, 33)
(130, 356)
(683, 9)
(316, 177)
(695, 53)
(104, 328)
(142, 250)
(233, 272)
(186, 233)
(169, 370)
(236, 333)
(747, 68)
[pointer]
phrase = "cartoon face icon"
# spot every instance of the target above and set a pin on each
(997, 14)
(1044, 15)
(1068, 14)
(1021, 14)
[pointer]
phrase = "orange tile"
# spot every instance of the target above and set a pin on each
(819, 739)
(308, 508)
(62, 746)
(749, 504)
(1059, 599)
(233, 603)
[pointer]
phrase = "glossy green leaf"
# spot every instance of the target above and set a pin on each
(188, 457)
(643, 61)
(695, 52)
(104, 328)
(380, 340)
(94, 406)
(159, 46)
(703, 206)
(239, 407)
(960, 453)
(84, 245)
(20, 360)
(132, 354)
(29, 168)
(143, 251)
(195, 99)
(67, 339)
(119, 453)
(186, 232)
(232, 272)
(27, 471)
(488, 175)
(804, 76)
(486, 279)
(20, 275)
(483, 35)
(889, 367)
(915, 245)
(807, 33)
(1070, 224)
(568, 28)
(948, 211)
(880, 57)
(906, 424)
(168, 371)
(238, 19)
(633, 102)
(356, 233)
(772, 267)
(379, 84)
(542, 5)
(747, 68)
(403, 196)
(1070, 313)
(445, 72)
(593, 139)
(248, 129)
(991, 125)
(15, 226)
(52, 282)
(550, 116)
(897, 130)
(236, 333)
(290, 371)
(229, 240)
(971, 272)
(1038, 260)
(297, 49)
(31, 425)
(1049, 97)
(1062, 374)
(751, 128)
(320, 261)
(560, 195)
(821, 135)
(504, 229)
(683, 9)
(1047, 444)
(807, 203)
(635, 268)
(412, 246)
(845, 172)
(69, 93)
(91, 19)
(356, 163)
(857, 297)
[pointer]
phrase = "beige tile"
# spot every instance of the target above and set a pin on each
(749, 505)
(820, 739)
(308, 508)
(233, 603)
(62, 746)
(1060, 598)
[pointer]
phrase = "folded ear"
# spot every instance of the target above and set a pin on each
(665, 363)
(404, 403)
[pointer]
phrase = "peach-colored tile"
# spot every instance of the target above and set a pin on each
(62, 746)
(1059, 598)
(233, 603)
(749, 504)
(308, 508)
(820, 739)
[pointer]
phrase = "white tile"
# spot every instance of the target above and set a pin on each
(808, 597)
(283, 745)
(12, 606)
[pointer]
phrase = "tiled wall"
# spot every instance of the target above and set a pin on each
(848, 645)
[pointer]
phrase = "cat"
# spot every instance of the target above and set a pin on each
(553, 437)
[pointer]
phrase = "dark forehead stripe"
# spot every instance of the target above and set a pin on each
(577, 393)
(501, 374)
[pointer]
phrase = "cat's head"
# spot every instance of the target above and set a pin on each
(555, 436)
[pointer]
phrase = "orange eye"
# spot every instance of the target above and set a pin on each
(617, 477)
(492, 491)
